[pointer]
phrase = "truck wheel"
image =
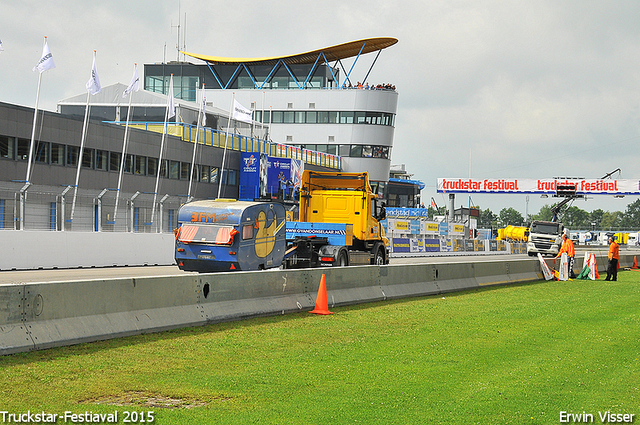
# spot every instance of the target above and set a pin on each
(343, 261)
(378, 260)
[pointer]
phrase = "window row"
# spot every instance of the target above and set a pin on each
(325, 117)
(353, 151)
(97, 159)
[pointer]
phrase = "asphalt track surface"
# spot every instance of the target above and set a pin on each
(65, 275)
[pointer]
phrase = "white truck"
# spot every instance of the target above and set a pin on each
(545, 237)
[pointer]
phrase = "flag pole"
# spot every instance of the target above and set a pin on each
(124, 149)
(164, 133)
(195, 145)
(224, 154)
(84, 134)
(93, 87)
(35, 119)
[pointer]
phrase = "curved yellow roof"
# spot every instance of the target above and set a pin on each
(340, 51)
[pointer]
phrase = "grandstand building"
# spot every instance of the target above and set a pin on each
(307, 101)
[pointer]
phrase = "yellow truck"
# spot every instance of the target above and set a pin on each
(338, 222)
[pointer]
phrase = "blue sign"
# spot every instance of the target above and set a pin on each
(249, 176)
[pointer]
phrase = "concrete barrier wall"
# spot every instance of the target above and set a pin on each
(41, 315)
(23, 250)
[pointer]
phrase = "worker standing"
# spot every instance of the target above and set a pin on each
(614, 255)
(567, 246)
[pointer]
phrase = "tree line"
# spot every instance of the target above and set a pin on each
(571, 216)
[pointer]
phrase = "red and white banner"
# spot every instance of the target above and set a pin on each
(548, 186)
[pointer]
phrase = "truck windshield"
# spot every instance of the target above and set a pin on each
(550, 229)
(195, 233)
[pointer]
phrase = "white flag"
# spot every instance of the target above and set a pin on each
(172, 103)
(204, 111)
(241, 113)
(134, 85)
(93, 85)
(46, 61)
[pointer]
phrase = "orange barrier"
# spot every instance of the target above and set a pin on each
(322, 306)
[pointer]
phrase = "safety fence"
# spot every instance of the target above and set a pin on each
(39, 207)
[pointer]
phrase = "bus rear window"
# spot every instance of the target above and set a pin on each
(219, 235)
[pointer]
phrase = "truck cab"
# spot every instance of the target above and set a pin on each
(545, 237)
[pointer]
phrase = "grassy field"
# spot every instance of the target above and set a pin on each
(507, 355)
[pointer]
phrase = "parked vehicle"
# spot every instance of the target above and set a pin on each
(338, 224)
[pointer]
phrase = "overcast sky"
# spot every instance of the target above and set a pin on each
(491, 89)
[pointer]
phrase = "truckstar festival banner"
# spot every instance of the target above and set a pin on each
(541, 186)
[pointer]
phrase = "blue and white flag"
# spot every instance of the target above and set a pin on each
(46, 61)
(93, 85)
(1, 48)
(134, 85)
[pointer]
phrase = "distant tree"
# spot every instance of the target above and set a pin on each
(510, 216)
(576, 218)
(544, 214)
(611, 220)
(487, 219)
(596, 219)
(631, 219)
(437, 211)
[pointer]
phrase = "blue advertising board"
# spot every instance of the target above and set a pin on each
(249, 176)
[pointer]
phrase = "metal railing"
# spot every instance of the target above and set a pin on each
(238, 142)
(39, 207)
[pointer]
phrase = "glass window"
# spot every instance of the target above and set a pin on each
(344, 150)
(72, 156)
(204, 173)
(360, 117)
(300, 117)
(229, 177)
(102, 160)
(7, 147)
(41, 153)
(367, 151)
(174, 170)
(23, 149)
(87, 158)
(152, 166)
(312, 117)
(332, 149)
(356, 151)
(346, 117)
(128, 163)
(184, 171)
(213, 175)
(323, 117)
(321, 148)
(277, 117)
(381, 152)
(288, 117)
(164, 166)
(114, 161)
(141, 165)
(333, 117)
(57, 154)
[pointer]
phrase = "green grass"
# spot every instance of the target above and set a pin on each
(517, 354)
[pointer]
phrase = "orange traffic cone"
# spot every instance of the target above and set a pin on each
(635, 263)
(322, 307)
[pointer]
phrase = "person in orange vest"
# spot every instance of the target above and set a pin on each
(614, 255)
(567, 246)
